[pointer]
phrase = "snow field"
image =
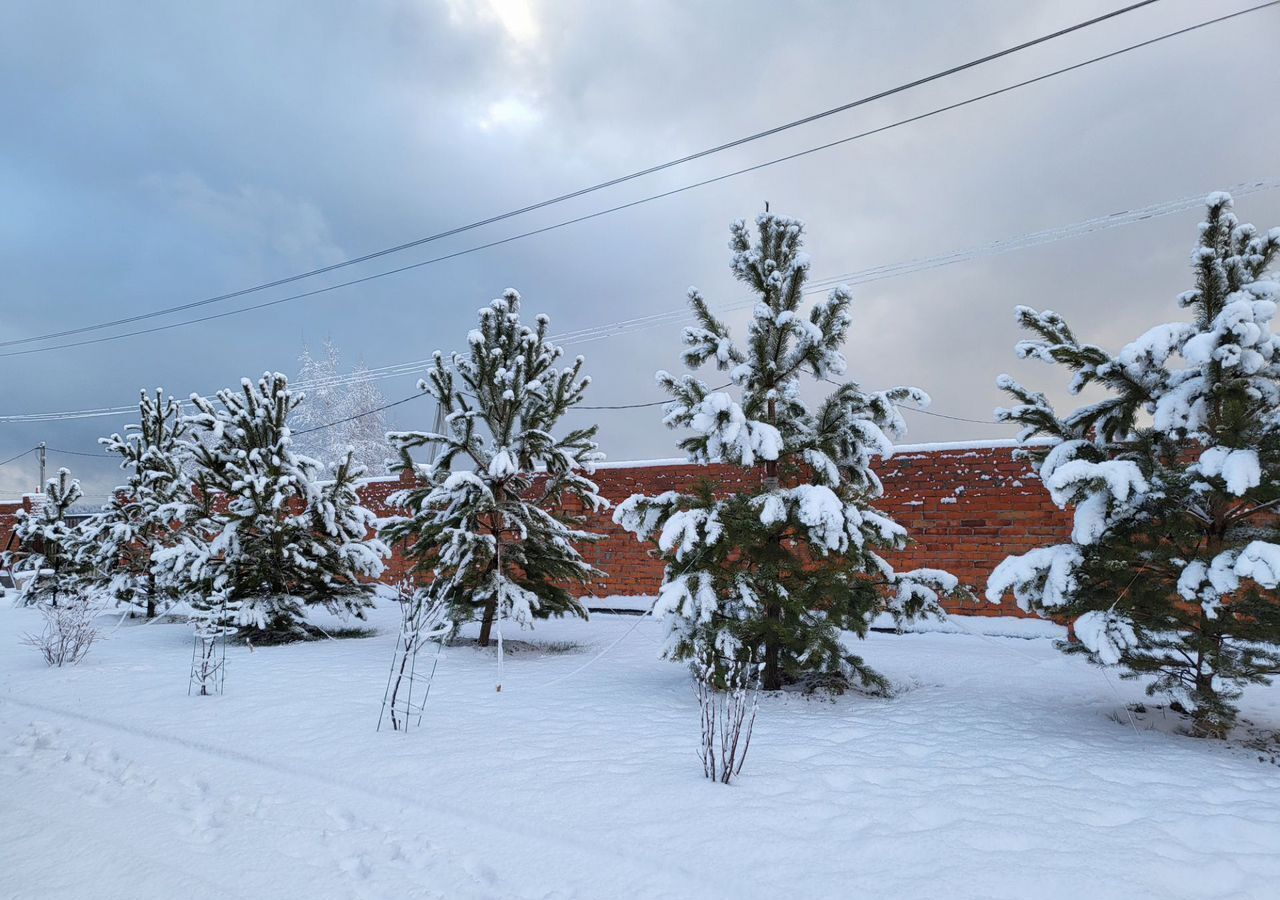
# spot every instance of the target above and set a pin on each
(997, 771)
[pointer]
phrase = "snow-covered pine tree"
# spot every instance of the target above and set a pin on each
(49, 545)
(271, 537)
(1174, 558)
(341, 526)
(352, 401)
(497, 538)
(144, 514)
(787, 564)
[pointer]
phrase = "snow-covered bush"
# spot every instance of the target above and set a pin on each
(268, 534)
(144, 514)
(785, 565)
(69, 631)
(496, 536)
(1173, 562)
(46, 565)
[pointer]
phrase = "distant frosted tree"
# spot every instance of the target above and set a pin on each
(352, 401)
(496, 536)
(777, 568)
(145, 513)
(48, 545)
(365, 430)
(274, 534)
(1173, 563)
(316, 375)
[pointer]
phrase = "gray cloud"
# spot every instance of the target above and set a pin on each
(159, 153)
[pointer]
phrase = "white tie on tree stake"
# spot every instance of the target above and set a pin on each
(498, 628)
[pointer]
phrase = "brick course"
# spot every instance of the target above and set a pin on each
(965, 506)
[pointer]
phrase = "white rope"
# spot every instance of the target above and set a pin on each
(567, 675)
(162, 614)
(594, 659)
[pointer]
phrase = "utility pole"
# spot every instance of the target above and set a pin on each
(40, 484)
(438, 427)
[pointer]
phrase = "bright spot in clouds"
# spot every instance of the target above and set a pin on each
(509, 112)
(515, 16)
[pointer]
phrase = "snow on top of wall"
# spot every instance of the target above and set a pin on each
(378, 479)
(947, 446)
(937, 447)
(646, 463)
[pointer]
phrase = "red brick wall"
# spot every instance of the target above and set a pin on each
(8, 520)
(374, 494)
(966, 508)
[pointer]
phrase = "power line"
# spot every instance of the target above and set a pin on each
(925, 412)
(643, 405)
(624, 405)
(875, 273)
(900, 406)
(623, 206)
(17, 456)
(360, 415)
(403, 400)
(619, 406)
(894, 270)
(367, 412)
(77, 453)
(612, 182)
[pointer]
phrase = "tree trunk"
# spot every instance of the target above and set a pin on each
(1206, 719)
(151, 596)
(771, 680)
(1206, 722)
(491, 605)
(486, 621)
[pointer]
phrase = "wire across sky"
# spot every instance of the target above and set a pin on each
(623, 206)
(602, 185)
(681, 314)
(673, 316)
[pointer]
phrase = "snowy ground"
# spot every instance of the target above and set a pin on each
(998, 771)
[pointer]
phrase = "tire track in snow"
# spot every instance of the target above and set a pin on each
(103, 781)
(645, 870)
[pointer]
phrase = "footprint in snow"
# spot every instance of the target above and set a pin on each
(345, 818)
(481, 871)
(356, 866)
(36, 737)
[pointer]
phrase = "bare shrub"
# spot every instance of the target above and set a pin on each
(726, 682)
(69, 632)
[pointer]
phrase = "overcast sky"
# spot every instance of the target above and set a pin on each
(158, 153)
